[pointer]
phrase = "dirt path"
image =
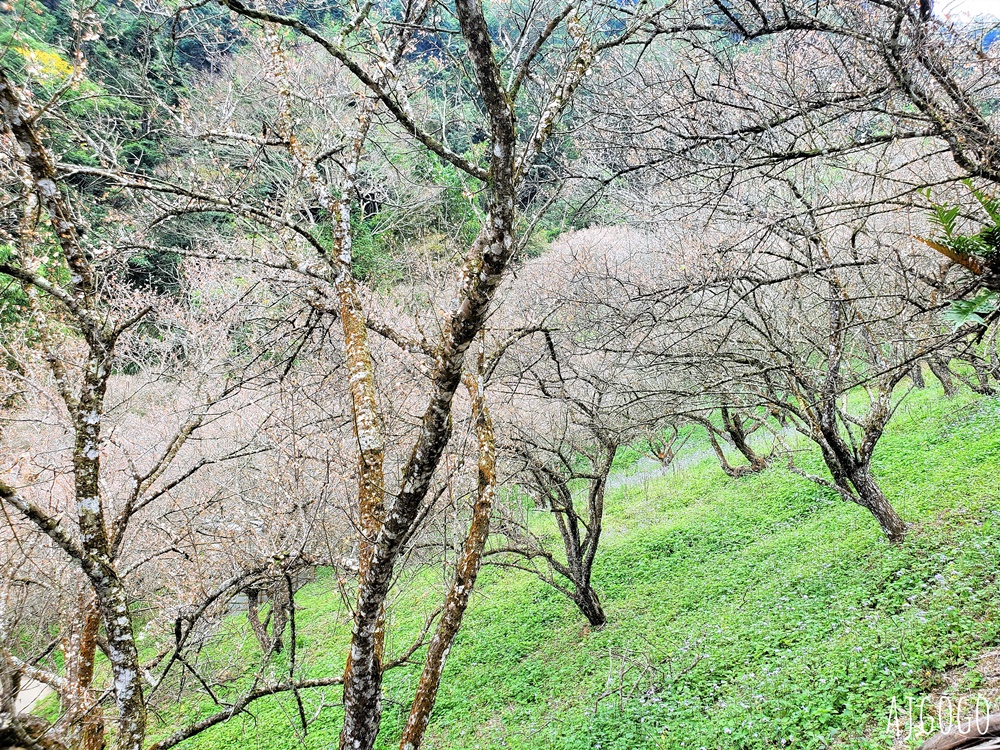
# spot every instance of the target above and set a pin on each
(646, 469)
(29, 695)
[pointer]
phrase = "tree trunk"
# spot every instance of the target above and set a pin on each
(727, 467)
(940, 369)
(281, 604)
(917, 375)
(738, 436)
(871, 497)
(95, 555)
(465, 577)
(124, 664)
(837, 471)
(256, 624)
(590, 605)
(486, 262)
(83, 716)
(363, 671)
(983, 376)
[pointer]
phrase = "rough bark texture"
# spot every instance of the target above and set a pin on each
(736, 429)
(28, 732)
(851, 471)
(482, 272)
(871, 497)
(588, 604)
(86, 409)
(82, 718)
(361, 384)
(384, 530)
(465, 576)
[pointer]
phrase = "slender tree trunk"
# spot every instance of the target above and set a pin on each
(281, 604)
(362, 691)
(481, 275)
(112, 598)
(982, 386)
(465, 577)
(256, 624)
(917, 375)
(727, 467)
(87, 410)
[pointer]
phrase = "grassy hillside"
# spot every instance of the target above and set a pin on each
(751, 613)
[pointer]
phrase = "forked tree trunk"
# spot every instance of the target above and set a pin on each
(94, 553)
(663, 449)
(855, 483)
(733, 433)
(756, 465)
(738, 435)
(280, 603)
(486, 262)
(859, 486)
(387, 529)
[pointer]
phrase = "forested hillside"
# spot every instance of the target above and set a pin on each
(521, 374)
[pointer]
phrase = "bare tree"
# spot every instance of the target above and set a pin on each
(664, 444)
(735, 431)
(564, 450)
(850, 321)
(571, 400)
(377, 63)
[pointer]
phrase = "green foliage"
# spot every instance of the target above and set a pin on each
(984, 243)
(982, 246)
(945, 217)
(975, 310)
(13, 301)
(156, 269)
(372, 255)
(625, 457)
(458, 215)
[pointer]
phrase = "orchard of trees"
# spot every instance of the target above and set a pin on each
(383, 288)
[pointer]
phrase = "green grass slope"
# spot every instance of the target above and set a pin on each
(752, 613)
